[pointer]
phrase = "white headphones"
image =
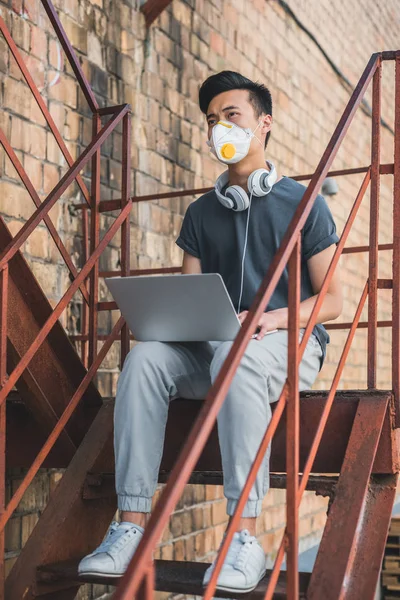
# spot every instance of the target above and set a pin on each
(259, 184)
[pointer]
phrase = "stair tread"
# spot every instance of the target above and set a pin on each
(171, 576)
(102, 485)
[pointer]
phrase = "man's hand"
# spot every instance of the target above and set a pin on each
(267, 322)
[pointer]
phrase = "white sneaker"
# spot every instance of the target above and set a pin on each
(113, 555)
(244, 565)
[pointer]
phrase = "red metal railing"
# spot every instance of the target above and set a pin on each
(90, 270)
(140, 569)
(139, 578)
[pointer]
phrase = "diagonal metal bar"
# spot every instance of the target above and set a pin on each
(218, 391)
(53, 437)
(59, 189)
(25, 360)
(35, 197)
(69, 51)
(45, 112)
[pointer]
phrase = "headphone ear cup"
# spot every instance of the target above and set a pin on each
(225, 201)
(257, 182)
(238, 196)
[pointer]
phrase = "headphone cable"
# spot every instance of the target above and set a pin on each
(244, 253)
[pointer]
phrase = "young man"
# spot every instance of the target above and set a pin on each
(234, 230)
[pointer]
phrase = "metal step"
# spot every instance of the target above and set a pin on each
(171, 576)
(71, 526)
(182, 414)
(102, 485)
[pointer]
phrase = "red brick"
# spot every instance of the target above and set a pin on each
(77, 35)
(8, 564)
(51, 176)
(199, 544)
(176, 524)
(37, 245)
(217, 43)
(31, 10)
(64, 89)
(13, 534)
(28, 524)
(38, 42)
(9, 169)
(218, 512)
(179, 550)
(15, 201)
(190, 548)
(21, 32)
(167, 552)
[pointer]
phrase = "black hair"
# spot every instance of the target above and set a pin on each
(259, 95)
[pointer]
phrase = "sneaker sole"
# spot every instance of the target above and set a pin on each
(99, 574)
(221, 588)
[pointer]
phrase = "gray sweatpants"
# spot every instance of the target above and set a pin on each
(156, 372)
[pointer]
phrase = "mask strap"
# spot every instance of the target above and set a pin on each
(253, 132)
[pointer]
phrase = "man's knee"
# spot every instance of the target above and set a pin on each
(145, 353)
(219, 358)
(248, 363)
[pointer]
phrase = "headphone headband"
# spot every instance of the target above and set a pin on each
(259, 183)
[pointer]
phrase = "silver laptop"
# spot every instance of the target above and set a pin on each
(176, 308)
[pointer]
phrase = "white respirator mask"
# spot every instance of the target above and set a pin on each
(230, 142)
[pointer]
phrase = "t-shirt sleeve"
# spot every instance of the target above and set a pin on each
(320, 230)
(187, 239)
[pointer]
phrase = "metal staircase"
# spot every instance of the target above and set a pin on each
(57, 418)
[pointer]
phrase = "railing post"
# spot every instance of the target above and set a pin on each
(94, 241)
(125, 229)
(374, 227)
(396, 251)
(292, 425)
(3, 377)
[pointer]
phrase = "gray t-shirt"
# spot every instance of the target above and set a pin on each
(216, 235)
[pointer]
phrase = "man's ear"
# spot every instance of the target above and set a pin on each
(267, 123)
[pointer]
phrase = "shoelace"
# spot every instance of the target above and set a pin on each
(238, 549)
(112, 537)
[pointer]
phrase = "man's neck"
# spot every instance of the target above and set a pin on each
(239, 172)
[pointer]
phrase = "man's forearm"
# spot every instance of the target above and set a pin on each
(330, 309)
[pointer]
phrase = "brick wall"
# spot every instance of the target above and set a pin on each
(158, 72)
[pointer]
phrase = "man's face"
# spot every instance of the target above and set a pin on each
(235, 106)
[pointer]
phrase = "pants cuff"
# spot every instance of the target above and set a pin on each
(252, 508)
(134, 503)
